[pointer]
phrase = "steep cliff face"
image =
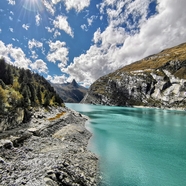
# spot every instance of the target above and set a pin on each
(158, 80)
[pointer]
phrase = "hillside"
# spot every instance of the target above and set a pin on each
(20, 91)
(42, 142)
(158, 80)
(70, 92)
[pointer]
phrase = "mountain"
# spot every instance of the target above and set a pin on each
(20, 92)
(158, 80)
(70, 92)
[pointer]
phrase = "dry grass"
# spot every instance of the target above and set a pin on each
(148, 65)
(57, 116)
(158, 60)
(181, 73)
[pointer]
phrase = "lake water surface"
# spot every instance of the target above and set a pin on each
(137, 146)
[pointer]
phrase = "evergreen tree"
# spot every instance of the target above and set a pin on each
(47, 100)
(39, 94)
(2, 84)
(33, 94)
(2, 99)
(2, 70)
(9, 75)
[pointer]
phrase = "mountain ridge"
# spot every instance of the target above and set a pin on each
(158, 80)
(70, 92)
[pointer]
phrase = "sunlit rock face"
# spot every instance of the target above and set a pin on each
(157, 81)
(12, 120)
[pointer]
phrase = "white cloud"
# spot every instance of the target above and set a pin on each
(61, 23)
(55, 1)
(11, 2)
(14, 55)
(57, 79)
(91, 19)
(11, 18)
(34, 43)
(78, 5)
(34, 54)
(58, 53)
(11, 29)
(18, 57)
(25, 26)
(3, 50)
(0, 30)
(49, 6)
(56, 33)
(39, 66)
(84, 27)
(49, 29)
(38, 19)
(117, 46)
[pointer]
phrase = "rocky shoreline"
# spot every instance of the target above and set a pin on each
(50, 150)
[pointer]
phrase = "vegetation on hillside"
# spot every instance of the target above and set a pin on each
(23, 88)
(174, 54)
(169, 61)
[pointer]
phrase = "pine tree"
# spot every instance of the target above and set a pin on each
(39, 94)
(2, 99)
(2, 70)
(2, 84)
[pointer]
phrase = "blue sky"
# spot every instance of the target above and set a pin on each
(85, 39)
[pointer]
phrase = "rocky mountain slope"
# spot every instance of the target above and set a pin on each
(41, 141)
(50, 150)
(70, 92)
(157, 81)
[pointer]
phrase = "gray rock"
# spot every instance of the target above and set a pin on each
(57, 155)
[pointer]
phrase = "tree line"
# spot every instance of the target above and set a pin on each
(22, 88)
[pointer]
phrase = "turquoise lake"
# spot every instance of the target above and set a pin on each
(137, 146)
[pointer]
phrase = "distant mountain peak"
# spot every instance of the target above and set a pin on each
(74, 83)
(70, 92)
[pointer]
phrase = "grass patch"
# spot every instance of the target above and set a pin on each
(57, 116)
(158, 60)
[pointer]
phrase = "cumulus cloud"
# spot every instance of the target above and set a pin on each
(11, 2)
(3, 50)
(78, 5)
(56, 33)
(141, 36)
(49, 6)
(39, 66)
(14, 55)
(55, 1)
(34, 43)
(0, 30)
(84, 27)
(62, 23)
(25, 26)
(49, 29)
(58, 53)
(38, 19)
(11, 29)
(57, 79)
(34, 54)
(17, 57)
(11, 18)
(91, 19)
